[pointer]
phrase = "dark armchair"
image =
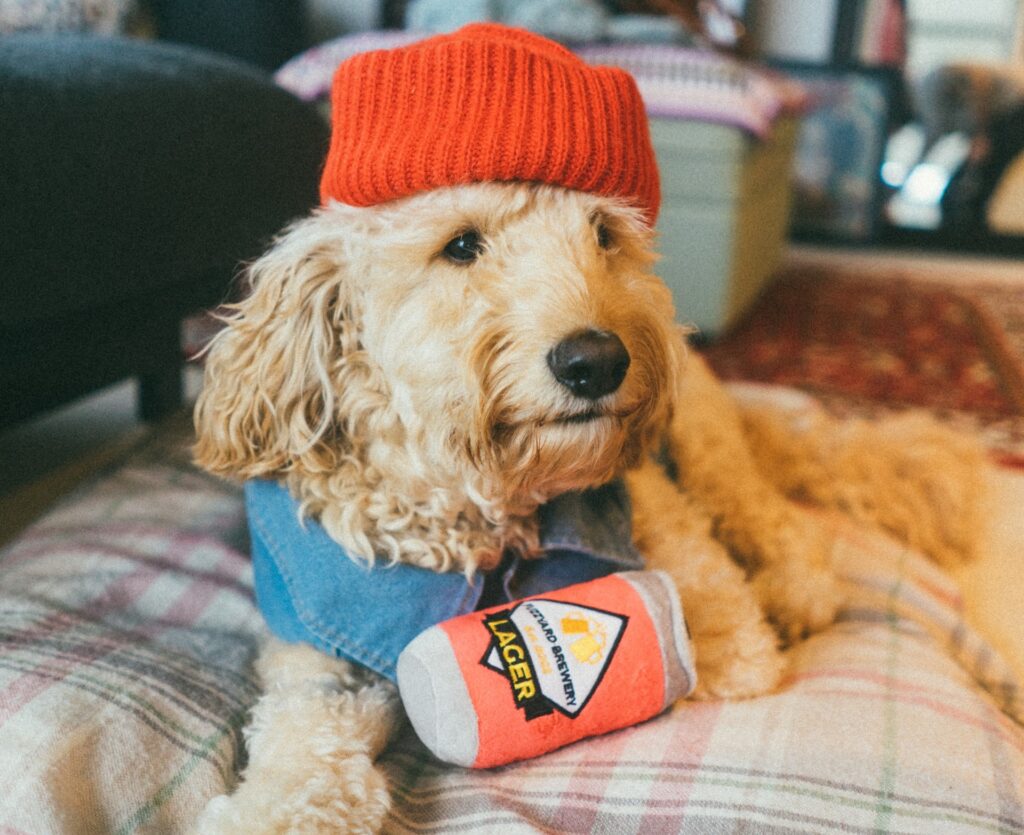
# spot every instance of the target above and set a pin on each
(134, 177)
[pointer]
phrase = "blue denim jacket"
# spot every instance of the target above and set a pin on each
(309, 590)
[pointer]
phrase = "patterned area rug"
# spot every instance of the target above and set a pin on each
(872, 343)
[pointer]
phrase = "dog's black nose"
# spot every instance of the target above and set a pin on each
(589, 363)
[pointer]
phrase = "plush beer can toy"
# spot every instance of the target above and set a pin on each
(521, 679)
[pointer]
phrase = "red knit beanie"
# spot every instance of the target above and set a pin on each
(487, 102)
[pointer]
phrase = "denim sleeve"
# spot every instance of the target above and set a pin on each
(310, 590)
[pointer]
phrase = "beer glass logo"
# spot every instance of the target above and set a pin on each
(591, 637)
(553, 654)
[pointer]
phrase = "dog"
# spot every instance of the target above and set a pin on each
(424, 374)
(371, 373)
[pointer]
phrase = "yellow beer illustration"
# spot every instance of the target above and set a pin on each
(589, 646)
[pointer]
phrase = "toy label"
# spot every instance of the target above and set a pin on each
(553, 654)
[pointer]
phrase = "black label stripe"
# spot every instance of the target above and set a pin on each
(534, 703)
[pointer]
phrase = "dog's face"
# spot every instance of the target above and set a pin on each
(506, 340)
(521, 327)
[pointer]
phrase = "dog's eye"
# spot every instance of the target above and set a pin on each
(604, 236)
(465, 248)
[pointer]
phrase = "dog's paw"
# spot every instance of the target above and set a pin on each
(356, 795)
(222, 816)
(798, 590)
(738, 664)
(798, 598)
(348, 795)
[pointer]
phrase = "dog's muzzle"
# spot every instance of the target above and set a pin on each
(590, 363)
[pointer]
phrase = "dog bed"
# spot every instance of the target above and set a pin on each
(128, 630)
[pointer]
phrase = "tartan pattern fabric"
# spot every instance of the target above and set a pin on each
(127, 634)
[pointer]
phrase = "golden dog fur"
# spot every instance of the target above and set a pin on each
(407, 403)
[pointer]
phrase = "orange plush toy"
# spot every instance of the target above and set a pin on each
(521, 679)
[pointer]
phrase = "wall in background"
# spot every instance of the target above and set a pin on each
(939, 31)
(947, 31)
(795, 30)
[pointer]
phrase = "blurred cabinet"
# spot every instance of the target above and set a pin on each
(951, 31)
(726, 200)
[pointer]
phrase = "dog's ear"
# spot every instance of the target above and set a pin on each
(271, 378)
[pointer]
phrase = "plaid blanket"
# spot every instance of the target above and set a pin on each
(127, 633)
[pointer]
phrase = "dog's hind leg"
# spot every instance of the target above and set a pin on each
(314, 735)
(908, 474)
(785, 550)
(736, 650)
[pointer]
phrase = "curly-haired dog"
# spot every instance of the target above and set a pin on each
(424, 373)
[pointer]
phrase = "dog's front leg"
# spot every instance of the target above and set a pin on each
(785, 550)
(736, 650)
(314, 735)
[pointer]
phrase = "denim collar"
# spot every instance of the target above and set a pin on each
(310, 590)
